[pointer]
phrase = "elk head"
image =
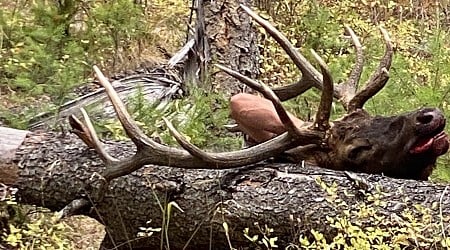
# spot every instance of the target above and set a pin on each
(402, 146)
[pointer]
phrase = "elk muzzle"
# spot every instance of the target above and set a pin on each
(432, 139)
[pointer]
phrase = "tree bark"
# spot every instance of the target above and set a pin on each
(224, 34)
(233, 42)
(55, 169)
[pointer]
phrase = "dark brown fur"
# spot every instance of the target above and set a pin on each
(384, 145)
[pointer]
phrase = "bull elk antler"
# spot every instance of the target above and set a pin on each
(346, 92)
(151, 152)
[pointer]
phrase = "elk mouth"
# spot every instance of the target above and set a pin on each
(430, 127)
(438, 145)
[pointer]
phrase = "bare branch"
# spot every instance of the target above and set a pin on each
(233, 128)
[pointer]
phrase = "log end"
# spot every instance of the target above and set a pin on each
(10, 141)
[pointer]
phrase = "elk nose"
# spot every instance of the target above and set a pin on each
(429, 115)
(425, 118)
(429, 119)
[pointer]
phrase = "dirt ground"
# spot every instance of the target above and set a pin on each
(85, 233)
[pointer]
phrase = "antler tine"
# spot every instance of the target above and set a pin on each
(300, 61)
(268, 94)
(293, 90)
(87, 133)
(355, 75)
(191, 148)
(378, 79)
(131, 128)
(348, 89)
(323, 113)
(310, 76)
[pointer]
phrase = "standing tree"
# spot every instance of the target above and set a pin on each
(222, 34)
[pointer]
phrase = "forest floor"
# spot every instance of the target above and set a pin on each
(85, 233)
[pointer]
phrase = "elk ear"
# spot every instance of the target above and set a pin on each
(357, 148)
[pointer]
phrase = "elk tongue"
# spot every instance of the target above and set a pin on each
(422, 145)
(438, 144)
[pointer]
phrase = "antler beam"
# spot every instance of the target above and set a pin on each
(151, 152)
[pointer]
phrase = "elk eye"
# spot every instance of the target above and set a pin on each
(356, 151)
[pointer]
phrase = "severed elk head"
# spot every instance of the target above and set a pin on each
(401, 146)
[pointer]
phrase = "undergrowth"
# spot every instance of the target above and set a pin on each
(29, 227)
(360, 222)
(48, 47)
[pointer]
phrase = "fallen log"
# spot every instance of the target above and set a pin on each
(55, 169)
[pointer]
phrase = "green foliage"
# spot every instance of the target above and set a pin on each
(17, 119)
(264, 237)
(363, 226)
(37, 231)
(48, 47)
(37, 51)
(42, 233)
(362, 223)
(201, 118)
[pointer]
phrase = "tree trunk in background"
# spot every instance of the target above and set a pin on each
(225, 35)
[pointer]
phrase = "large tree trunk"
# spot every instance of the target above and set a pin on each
(224, 34)
(55, 169)
(233, 42)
